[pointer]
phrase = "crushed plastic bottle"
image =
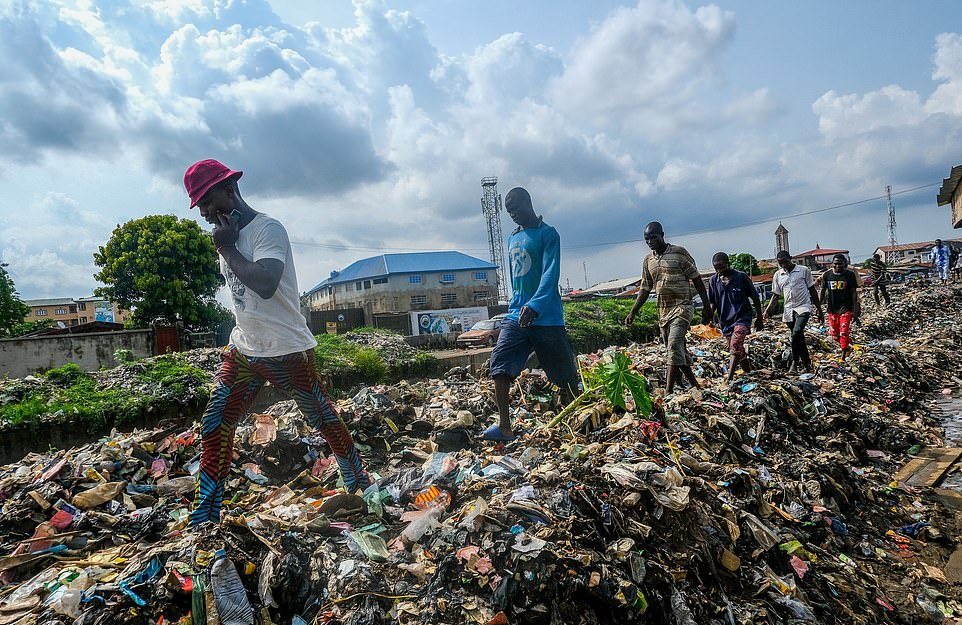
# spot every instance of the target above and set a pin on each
(230, 596)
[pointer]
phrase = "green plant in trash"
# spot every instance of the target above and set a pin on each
(610, 379)
(616, 377)
(122, 355)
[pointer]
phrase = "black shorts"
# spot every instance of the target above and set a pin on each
(551, 345)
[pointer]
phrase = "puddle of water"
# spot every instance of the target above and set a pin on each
(948, 409)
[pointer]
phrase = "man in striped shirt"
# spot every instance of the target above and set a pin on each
(880, 278)
(670, 271)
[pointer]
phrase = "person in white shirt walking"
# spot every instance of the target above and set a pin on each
(796, 284)
(271, 341)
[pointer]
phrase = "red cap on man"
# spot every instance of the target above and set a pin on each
(203, 175)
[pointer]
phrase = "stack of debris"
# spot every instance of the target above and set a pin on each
(775, 499)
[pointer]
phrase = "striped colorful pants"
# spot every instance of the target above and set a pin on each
(238, 382)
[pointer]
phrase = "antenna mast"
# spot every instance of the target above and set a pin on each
(893, 240)
(491, 209)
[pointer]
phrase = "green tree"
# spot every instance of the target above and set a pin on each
(744, 262)
(160, 266)
(26, 327)
(12, 308)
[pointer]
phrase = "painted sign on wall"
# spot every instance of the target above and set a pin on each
(448, 320)
(104, 311)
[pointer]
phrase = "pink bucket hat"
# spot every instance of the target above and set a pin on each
(203, 175)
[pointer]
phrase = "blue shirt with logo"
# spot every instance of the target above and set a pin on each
(534, 260)
(731, 301)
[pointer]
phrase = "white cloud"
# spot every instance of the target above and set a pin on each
(373, 137)
(643, 66)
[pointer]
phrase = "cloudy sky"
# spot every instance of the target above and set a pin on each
(366, 126)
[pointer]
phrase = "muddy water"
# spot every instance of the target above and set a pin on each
(948, 409)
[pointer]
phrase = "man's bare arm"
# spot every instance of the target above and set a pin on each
(262, 276)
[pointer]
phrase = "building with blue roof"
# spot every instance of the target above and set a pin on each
(406, 282)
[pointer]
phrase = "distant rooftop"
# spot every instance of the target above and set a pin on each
(905, 247)
(819, 251)
(412, 262)
(53, 301)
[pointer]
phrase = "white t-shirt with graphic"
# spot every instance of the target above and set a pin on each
(267, 327)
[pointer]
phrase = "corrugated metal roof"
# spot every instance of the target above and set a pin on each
(55, 301)
(949, 185)
(820, 251)
(618, 284)
(903, 247)
(413, 262)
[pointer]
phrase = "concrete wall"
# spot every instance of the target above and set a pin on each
(20, 357)
(395, 295)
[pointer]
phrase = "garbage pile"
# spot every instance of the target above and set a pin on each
(768, 500)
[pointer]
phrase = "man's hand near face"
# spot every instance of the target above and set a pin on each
(226, 231)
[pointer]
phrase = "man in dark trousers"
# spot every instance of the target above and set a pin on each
(271, 341)
(535, 320)
(796, 284)
(840, 293)
(670, 271)
(732, 294)
(880, 279)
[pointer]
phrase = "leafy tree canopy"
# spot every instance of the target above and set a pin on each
(12, 308)
(744, 262)
(161, 266)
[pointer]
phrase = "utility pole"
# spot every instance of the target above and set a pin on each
(893, 240)
(491, 209)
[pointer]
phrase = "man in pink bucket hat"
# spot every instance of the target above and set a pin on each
(271, 341)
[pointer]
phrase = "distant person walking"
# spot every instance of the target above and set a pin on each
(535, 320)
(880, 278)
(271, 342)
(795, 283)
(840, 293)
(732, 296)
(670, 271)
(941, 257)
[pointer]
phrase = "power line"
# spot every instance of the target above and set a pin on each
(745, 224)
(761, 221)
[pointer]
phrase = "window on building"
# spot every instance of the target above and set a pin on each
(83, 320)
(61, 311)
(73, 322)
(41, 312)
(481, 295)
(358, 285)
(480, 275)
(419, 300)
(449, 298)
(82, 305)
(380, 280)
(447, 278)
(415, 279)
(349, 286)
(367, 284)
(73, 308)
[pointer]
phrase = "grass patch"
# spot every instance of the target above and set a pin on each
(117, 397)
(598, 323)
(368, 359)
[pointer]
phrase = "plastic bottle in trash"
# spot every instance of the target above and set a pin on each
(233, 608)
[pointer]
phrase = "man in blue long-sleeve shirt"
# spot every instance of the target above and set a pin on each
(535, 321)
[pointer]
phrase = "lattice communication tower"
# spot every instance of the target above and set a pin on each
(893, 240)
(491, 209)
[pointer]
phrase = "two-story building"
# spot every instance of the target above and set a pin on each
(917, 252)
(406, 282)
(74, 312)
